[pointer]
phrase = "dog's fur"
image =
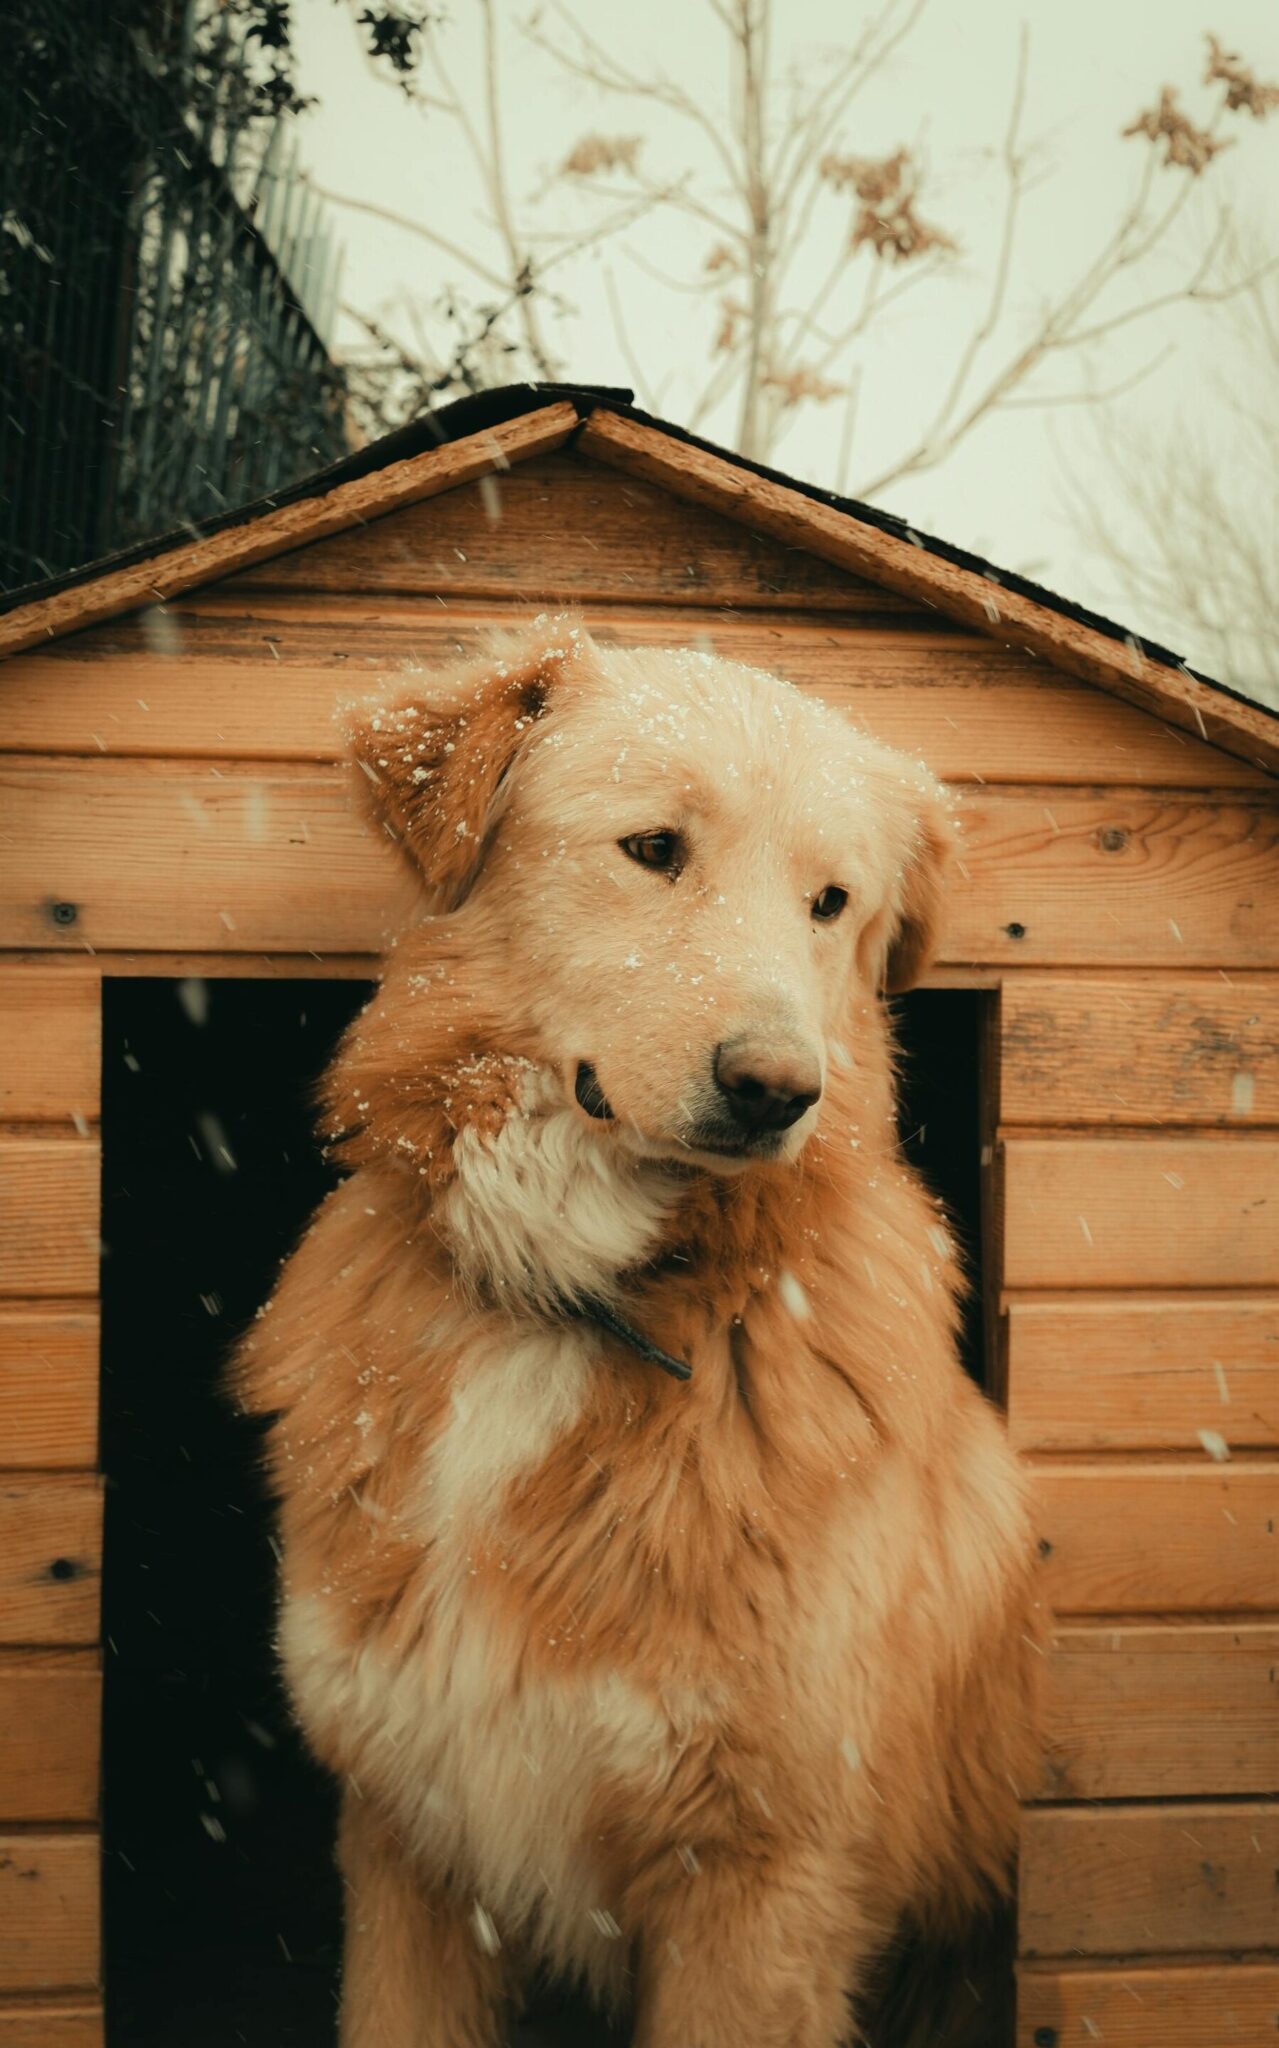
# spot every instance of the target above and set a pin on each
(699, 1693)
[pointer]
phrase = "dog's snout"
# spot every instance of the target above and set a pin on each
(763, 1089)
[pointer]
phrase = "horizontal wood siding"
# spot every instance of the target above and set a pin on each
(1163, 1051)
(196, 857)
(189, 679)
(1143, 1211)
(51, 2023)
(51, 1035)
(1138, 1537)
(1124, 878)
(49, 1215)
(153, 855)
(560, 530)
(1153, 1880)
(48, 1385)
(1163, 1711)
(1137, 2005)
(50, 1557)
(48, 1912)
(50, 1711)
(1118, 1372)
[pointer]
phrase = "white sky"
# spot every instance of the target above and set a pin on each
(1093, 65)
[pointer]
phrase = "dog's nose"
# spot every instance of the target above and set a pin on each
(766, 1090)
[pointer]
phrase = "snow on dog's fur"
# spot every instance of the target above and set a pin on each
(701, 1692)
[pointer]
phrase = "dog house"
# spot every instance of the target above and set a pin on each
(178, 849)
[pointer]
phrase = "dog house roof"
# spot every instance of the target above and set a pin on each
(493, 429)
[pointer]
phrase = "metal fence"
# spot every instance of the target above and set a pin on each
(167, 284)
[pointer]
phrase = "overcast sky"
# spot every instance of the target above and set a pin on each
(946, 91)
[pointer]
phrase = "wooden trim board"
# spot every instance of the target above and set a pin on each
(274, 533)
(1242, 729)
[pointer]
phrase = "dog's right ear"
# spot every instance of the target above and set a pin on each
(435, 766)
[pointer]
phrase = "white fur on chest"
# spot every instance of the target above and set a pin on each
(492, 1776)
(547, 1209)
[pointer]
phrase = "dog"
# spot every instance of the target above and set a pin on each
(655, 1582)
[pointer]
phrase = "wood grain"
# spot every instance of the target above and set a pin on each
(1155, 1880)
(259, 678)
(560, 530)
(48, 1386)
(1125, 878)
(1199, 2005)
(193, 859)
(1132, 1537)
(1104, 1372)
(50, 1715)
(166, 575)
(189, 857)
(50, 1558)
(971, 595)
(1141, 1211)
(51, 2023)
(1167, 1051)
(49, 1215)
(50, 1044)
(48, 1912)
(1163, 1712)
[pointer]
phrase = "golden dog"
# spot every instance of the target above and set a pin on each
(654, 1580)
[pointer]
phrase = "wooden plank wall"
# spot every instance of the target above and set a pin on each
(1139, 1162)
(174, 803)
(50, 1504)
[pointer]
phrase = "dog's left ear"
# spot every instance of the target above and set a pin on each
(435, 766)
(914, 937)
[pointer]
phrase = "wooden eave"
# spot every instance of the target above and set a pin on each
(1165, 690)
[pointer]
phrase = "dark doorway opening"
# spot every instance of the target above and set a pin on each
(221, 1903)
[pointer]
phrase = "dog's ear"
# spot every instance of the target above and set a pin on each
(435, 765)
(914, 935)
(900, 939)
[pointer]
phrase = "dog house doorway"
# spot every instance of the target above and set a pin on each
(221, 1904)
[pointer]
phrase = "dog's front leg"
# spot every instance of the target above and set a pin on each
(413, 1972)
(745, 1951)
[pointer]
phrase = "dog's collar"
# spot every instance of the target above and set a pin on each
(592, 1310)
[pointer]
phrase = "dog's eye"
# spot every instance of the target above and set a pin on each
(830, 902)
(662, 850)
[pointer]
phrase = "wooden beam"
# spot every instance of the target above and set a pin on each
(49, 1938)
(259, 676)
(49, 1215)
(1162, 1711)
(1159, 1880)
(50, 1716)
(1145, 2005)
(50, 1045)
(1124, 1372)
(1139, 1537)
(50, 1558)
(167, 575)
(188, 856)
(1167, 1051)
(1245, 730)
(48, 1385)
(1141, 1210)
(77, 2022)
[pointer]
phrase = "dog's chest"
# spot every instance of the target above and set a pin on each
(496, 1775)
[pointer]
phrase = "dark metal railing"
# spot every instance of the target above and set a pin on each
(166, 288)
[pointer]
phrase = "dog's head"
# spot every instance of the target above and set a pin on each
(685, 870)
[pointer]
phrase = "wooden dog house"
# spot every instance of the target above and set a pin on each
(173, 806)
